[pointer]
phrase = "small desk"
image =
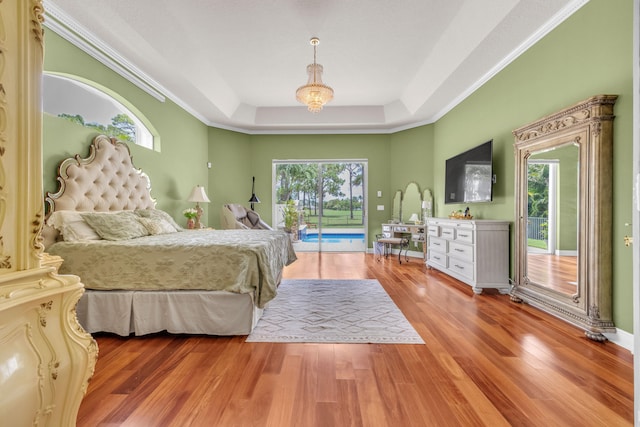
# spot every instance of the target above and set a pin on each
(410, 232)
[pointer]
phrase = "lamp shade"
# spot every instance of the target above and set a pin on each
(425, 204)
(198, 195)
(414, 217)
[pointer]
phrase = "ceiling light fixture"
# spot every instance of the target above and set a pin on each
(315, 93)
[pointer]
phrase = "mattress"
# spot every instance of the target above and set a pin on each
(239, 261)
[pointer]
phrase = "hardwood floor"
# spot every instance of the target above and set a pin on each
(487, 362)
(560, 273)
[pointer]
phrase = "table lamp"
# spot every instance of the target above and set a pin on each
(199, 196)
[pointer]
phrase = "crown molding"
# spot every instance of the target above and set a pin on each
(76, 34)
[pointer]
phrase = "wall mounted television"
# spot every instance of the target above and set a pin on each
(469, 175)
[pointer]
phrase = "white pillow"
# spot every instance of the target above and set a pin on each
(71, 226)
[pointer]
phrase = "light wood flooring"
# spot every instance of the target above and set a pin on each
(559, 272)
(487, 362)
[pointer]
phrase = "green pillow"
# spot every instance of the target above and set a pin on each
(116, 226)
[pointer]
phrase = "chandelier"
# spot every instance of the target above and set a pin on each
(315, 93)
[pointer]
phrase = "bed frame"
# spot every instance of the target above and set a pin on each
(105, 181)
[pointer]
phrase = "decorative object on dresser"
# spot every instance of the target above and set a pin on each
(475, 252)
(575, 146)
(198, 196)
(46, 357)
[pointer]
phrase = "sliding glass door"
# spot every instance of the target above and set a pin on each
(321, 203)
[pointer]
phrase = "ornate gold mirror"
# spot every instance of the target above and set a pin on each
(563, 212)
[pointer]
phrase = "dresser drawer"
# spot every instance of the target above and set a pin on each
(464, 235)
(438, 245)
(437, 258)
(448, 233)
(433, 230)
(461, 251)
(462, 268)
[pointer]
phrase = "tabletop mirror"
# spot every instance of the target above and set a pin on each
(411, 203)
(563, 197)
(396, 213)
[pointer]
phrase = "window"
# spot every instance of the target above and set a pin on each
(91, 105)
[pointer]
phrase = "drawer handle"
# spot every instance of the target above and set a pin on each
(463, 235)
(459, 267)
(459, 250)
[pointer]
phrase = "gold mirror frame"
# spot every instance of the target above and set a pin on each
(589, 125)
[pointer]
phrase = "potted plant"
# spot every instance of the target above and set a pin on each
(290, 215)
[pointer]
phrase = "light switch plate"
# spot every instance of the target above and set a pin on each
(379, 193)
(380, 207)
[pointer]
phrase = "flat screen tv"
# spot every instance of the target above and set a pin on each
(469, 175)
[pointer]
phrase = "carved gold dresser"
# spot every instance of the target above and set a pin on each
(46, 358)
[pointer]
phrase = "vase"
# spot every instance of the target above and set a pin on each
(191, 223)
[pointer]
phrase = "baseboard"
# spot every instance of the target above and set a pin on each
(622, 338)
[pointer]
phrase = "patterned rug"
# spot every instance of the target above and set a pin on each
(333, 311)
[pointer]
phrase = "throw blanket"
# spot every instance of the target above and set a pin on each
(241, 261)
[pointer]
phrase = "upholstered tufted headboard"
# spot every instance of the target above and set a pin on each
(104, 181)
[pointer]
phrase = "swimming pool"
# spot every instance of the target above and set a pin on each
(335, 238)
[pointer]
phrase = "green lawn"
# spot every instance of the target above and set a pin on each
(333, 218)
(541, 244)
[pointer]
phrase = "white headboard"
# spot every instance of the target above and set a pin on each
(104, 181)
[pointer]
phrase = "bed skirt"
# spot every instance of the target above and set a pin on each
(179, 312)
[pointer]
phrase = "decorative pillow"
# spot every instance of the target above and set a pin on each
(158, 214)
(78, 230)
(118, 226)
(71, 226)
(253, 218)
(157, 226)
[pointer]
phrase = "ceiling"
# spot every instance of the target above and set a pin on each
(393, 64)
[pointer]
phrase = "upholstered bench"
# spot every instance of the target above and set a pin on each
(383, 246)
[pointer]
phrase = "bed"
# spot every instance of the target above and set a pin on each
(143, 273)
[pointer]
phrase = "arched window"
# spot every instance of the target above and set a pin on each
(91, 105)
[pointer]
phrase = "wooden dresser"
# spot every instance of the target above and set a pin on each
(475, 252)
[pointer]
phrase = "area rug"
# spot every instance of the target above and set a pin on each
(333, 311)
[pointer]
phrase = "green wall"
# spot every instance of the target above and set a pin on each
(590, 53)
(174, 170)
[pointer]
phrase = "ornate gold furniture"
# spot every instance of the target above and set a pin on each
(46, 358)
(577, 142)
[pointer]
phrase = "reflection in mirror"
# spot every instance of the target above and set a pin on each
(411, 202)
(552, 218)
(397, 207)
